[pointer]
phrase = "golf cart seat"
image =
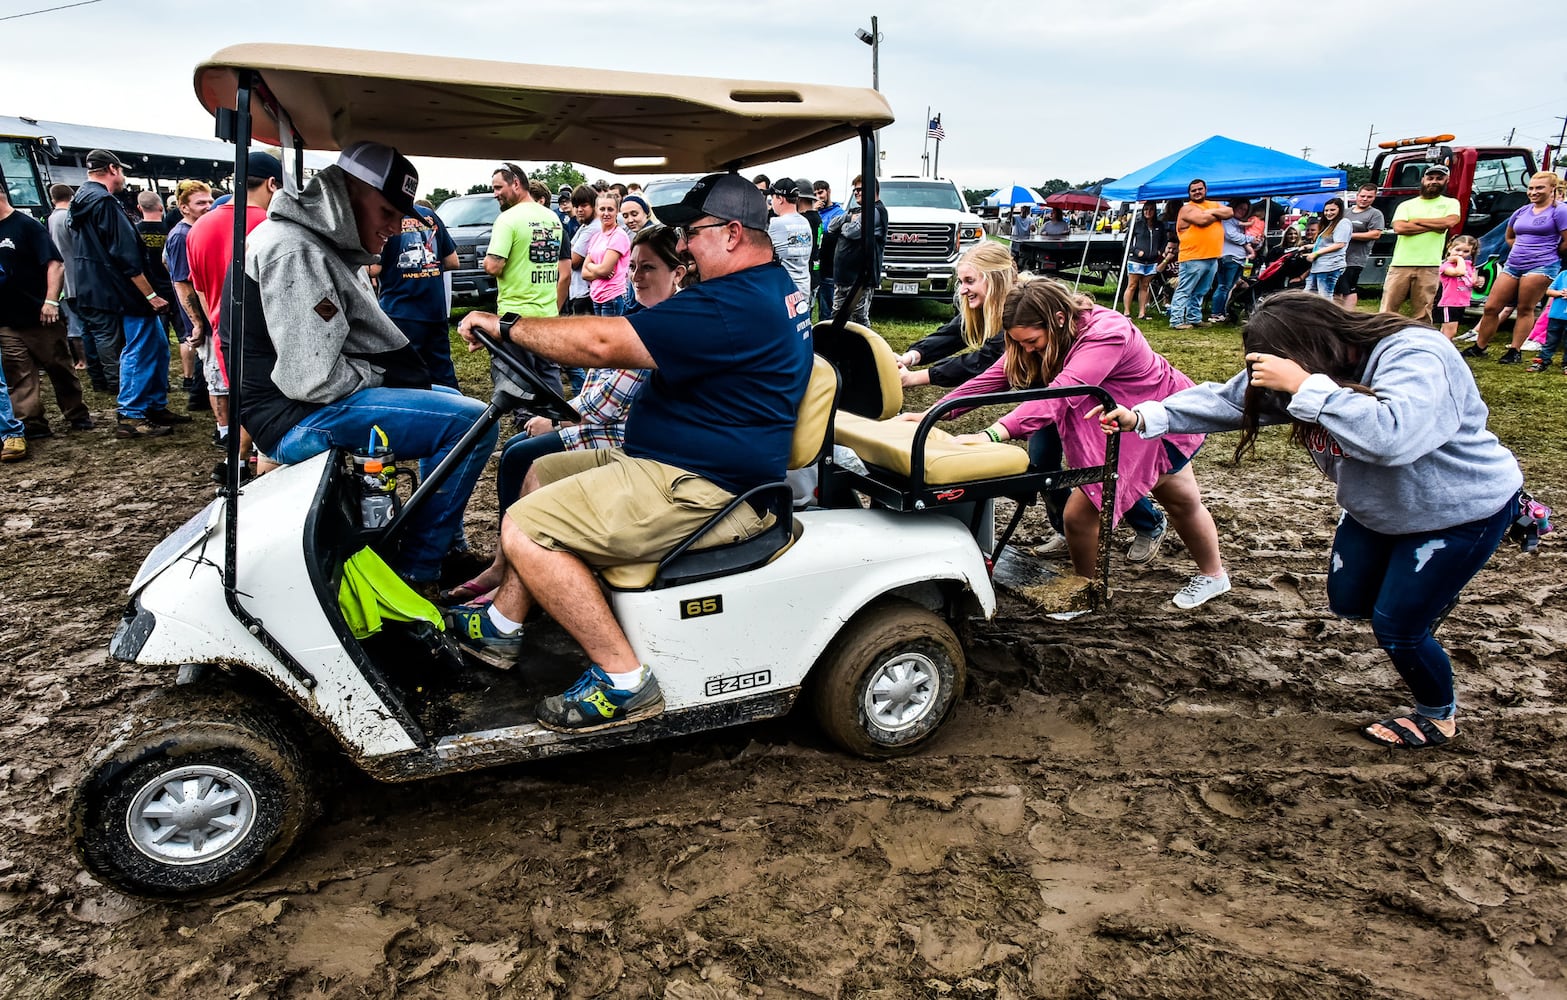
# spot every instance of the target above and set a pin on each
(708, 552)
(872, 394)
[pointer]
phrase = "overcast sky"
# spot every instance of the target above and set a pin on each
(1027, 90)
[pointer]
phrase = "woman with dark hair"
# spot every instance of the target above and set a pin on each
(1330, 250)
(1147, 240)
(657, 272)
(1058, 338)
(1390, 412)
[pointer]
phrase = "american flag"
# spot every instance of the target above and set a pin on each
(935, 131)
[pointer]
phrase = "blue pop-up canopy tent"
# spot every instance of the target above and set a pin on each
(1231, 169)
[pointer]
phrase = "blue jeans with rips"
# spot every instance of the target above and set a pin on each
(144, 367)
(1405, 584)
(1196, 278)
(419, 423)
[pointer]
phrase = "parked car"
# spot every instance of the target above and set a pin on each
(469, 218)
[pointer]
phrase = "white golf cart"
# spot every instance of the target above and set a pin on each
(852, 602)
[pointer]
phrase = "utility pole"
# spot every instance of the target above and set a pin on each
(925, 156)
(1370, 132)
(873, 39)
(1305, 152)
(1510, 133)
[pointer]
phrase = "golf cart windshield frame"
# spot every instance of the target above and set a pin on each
(294, 96)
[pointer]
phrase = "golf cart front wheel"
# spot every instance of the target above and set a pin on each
(187, 807)
(889, 680)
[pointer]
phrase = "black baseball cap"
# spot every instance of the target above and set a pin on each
(384, 169)
(785, 187)
(729, 197)
(261, 166)
(102, 159)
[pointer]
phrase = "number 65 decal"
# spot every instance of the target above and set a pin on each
(697, 607)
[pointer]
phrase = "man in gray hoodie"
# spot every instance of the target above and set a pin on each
(323, 364)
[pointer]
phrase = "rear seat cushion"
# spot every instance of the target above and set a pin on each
(889, 444)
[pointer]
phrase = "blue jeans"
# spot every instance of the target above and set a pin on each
(1224, 282)
(103, 330)
(1324, 282)
(1196, 277)
(517, 457)
(824, 293)
(1555, 331)
(419, 423)
(144, 367)
(610, 307)
(10, 427)
(1404, 584)
(1045, 455)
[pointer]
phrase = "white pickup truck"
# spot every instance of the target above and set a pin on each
(929, 225)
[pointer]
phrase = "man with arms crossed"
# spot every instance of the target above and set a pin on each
(731, 358)
(1200, 229)
(1421, 224)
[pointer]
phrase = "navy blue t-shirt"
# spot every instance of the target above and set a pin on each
(734, 358)
(411, 283)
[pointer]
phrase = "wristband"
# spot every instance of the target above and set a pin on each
(151, 296)
(991, 433)
(52, 302)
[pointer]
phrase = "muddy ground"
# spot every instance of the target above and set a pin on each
(1139, 803)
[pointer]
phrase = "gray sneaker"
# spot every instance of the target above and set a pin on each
(1199, 590)
(1145, 547)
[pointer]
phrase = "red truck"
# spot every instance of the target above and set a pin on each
(1488, 182)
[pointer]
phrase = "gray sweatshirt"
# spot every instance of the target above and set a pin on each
(1416, 456)
(325, 322)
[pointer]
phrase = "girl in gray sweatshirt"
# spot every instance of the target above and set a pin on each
(1390, 412)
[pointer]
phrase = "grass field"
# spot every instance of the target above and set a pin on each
(1528, 411)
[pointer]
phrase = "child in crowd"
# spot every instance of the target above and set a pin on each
(1458, 281)
(1555, 324)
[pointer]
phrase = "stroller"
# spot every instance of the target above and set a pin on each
(1285, 271)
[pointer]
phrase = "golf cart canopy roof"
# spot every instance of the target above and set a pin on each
(476, 109)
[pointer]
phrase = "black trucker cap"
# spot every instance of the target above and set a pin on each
(723, 196)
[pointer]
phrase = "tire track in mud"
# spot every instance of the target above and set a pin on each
(1139, 803)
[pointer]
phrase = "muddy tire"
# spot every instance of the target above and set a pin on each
(198, 799)
(889, 680)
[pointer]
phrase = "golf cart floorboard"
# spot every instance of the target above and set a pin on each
(449, 698)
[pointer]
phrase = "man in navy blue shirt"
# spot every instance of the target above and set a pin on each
(730, 359)
(413, 292)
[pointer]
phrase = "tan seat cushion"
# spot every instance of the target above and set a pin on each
(888, 443)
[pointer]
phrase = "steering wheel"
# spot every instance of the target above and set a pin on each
(537, 395)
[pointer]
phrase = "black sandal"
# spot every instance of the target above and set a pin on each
(1428, 736)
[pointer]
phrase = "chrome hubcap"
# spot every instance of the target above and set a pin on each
(191, 815)
(902, 691)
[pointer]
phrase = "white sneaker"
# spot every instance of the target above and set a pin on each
(1201, 589)
(1466, 338)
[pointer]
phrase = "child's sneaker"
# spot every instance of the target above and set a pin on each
(1199, 590)
(1539, 365)
(594, 702)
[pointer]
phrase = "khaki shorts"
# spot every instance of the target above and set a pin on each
(610, 509)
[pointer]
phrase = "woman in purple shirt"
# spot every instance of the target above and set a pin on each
(1537, 234)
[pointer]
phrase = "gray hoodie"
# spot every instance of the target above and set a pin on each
(1416, 456)
(324, 319)
(314, 331)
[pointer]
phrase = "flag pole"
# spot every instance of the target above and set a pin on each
(925, 156)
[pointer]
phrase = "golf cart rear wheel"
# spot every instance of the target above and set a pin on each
(888, 680)
(192, 806)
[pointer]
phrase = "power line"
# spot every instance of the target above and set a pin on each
(49, 10)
